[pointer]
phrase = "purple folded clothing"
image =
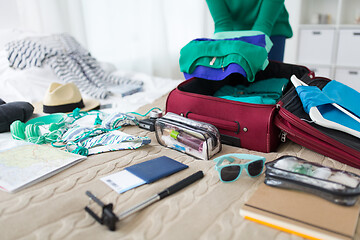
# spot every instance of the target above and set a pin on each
(258, 40)
(215, 74)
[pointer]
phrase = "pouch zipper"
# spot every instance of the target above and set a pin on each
(203, 133)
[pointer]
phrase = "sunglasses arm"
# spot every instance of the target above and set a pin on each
(220, 160)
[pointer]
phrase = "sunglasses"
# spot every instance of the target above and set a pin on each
(231, 172)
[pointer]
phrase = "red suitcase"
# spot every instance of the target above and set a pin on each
(261, 127)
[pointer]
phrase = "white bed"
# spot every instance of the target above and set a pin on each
(31, 84)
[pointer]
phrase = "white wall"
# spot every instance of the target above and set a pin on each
(293, 7)
(8, 15)
(9, 19)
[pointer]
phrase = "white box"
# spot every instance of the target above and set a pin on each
(316, 46)
(349, 48)
(350, 77)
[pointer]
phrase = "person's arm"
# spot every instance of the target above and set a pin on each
(221, 15)
(268, 14)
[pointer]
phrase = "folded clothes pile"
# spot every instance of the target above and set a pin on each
(69, 61)
(10, 112)
(242, 52)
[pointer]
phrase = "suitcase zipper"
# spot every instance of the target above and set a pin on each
(288, 116)
(319, 148)
(299, 124)
(283, 135)
(292, 135)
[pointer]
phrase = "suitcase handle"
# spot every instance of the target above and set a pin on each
(218, 123)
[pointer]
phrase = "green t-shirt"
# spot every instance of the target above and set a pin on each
(267, 16)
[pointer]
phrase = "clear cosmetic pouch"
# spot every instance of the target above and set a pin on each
(291, 172)
(198, 139)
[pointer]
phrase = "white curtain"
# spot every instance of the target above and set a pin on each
(135, 35)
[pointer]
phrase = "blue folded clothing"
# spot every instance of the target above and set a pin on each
(333, 93)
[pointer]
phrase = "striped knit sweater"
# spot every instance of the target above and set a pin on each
(69, 61)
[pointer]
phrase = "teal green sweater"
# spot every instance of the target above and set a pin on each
(267, 16)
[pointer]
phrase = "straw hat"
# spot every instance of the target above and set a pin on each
(64, 98)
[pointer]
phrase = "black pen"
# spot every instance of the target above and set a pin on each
(109, 218)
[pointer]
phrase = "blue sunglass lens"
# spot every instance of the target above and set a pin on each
(255, 168)
(230, 173)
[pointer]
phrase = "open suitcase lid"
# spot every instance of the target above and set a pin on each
(297, 125)
(333, 107)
